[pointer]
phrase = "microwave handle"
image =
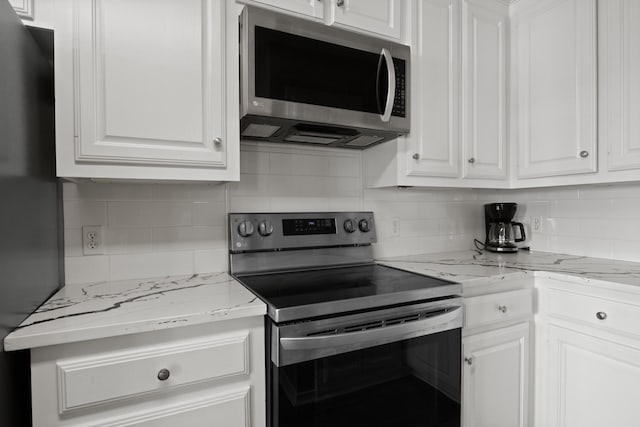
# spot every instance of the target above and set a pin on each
(391, 93)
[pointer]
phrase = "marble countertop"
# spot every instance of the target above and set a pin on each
(471, 267)
(107, 309)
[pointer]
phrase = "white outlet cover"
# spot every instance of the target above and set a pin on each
(92, 240)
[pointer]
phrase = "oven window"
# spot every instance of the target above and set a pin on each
(299, 69)
(412, 383)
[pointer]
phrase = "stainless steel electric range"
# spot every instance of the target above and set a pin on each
(348, 342)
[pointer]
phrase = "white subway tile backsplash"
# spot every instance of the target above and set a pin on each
(252, 162)
(72, 242)
(152, 264)
(85, 269)
(209, 214)
(84, 212)
(162, 229)
(211, 260)
(127, 240)
(188, 238)
(111, 191)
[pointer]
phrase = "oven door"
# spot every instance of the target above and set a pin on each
(398, 367)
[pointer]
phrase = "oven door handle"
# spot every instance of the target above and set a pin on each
(449, 320)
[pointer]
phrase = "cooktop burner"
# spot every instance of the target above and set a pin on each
(326, 291)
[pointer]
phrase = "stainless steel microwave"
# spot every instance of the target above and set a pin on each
(309, 83)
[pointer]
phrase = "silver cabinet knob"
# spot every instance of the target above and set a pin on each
(601, 315)
(246, 228)
(416, 156)
(163, 374)
(468, 360)
(265, 228)
(217, 142)
(472, 160)
(340, 3)
(502, 308)
(584, 154)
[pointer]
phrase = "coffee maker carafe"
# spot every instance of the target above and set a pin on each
(500, 228)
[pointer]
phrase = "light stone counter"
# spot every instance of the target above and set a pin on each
(107, 309)
(475, 267)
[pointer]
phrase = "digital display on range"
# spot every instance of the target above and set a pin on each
(301, 227)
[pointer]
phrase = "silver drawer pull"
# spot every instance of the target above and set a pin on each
(502, 308)
(468, 360)
(163, 374)
(601, 315)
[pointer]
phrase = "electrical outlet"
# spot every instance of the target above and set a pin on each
(395, 226)
(537, 224)
(92, 243)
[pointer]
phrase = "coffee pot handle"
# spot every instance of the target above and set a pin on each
(523, 236)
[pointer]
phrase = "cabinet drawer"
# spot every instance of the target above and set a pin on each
(593, 310)
(112, 376)
(496, 308)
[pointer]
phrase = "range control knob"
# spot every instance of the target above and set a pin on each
(349, 226)
(265, 228)
(246, 228)
(363, 225)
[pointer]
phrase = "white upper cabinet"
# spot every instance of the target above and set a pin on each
(555, 82)
(24, 8)
(377, 16)
(484, 83)
(619, 71)
(458, 103)
(435, 122)
(313, 8)
(143, 90)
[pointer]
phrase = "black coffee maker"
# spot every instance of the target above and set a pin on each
(500, 228)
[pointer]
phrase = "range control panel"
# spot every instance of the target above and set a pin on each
(275, 231)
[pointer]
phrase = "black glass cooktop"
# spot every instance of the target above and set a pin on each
(312, 293)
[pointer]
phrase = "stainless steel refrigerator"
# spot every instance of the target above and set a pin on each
(30, 207)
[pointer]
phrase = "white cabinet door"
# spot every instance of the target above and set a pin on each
(375, 16)
(313, 8)
(496, 378)
(591, 382)
(484, 142)
(228, 410)
(434, 139)
(24, 8)
(555, 54)
(144, 84)
(619, 68)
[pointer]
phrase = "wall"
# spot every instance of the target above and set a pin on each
(170, 229)
(162, 229)
(590, 220)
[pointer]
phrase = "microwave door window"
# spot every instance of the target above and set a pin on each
(299, 69)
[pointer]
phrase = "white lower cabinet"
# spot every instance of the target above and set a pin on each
(588, 358)
(496, 357)
(496, 377)
(590, 381)
(206, 375)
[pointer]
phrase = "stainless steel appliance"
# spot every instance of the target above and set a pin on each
(349, 342)
(30, 254)
(308, 83)
(501, 235)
